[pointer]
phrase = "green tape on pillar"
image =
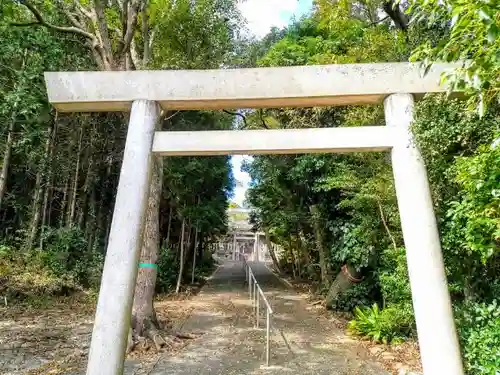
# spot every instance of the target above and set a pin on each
(148, 265)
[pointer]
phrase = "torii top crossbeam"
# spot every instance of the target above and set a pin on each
(298, 86)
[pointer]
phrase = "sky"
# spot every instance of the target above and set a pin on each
(261, 16)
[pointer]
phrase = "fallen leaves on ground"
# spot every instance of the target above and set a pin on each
(393, 358)
(54, 334)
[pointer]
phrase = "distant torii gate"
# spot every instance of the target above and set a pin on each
(144, 93)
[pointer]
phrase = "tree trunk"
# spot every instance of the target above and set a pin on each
(90, 230)
(48, 183)
(108, 211)
(297, 254)
(100, 220)
(6, 159)
(10, 142)
(144, 321)
(292, 259)
(44, 209)
(306, 257)
(391, 7)
(194, 255)
(200, 245)
(188, 242)
(87, 185)
(169, 226)
(181, 261)
(346, 278)
(71, 216)
(270, 249)
(384, 222)
(320, 245)
(64, 203)
(37, 197)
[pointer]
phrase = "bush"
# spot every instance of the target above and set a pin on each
(393, 277)
(479, 178)
(26, 275)
(353, 245)
(205, 266)
(479, 332)
(390, 325)
(168, 268)
(361, 294)
(64, 265)
(66, 253)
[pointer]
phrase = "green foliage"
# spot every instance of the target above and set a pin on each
(391, 325)
(393, 277)
(204, 266)
(352, 245)
(27, 275)
(67, 252)
(444, 130)
(355, 193)
(479, 179)
(474, 35)
(479, 332)
(167, 267)
(463, 173)
(65, 264)
(64, 170)
(193, 35)
(358, 295)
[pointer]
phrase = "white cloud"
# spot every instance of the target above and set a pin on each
(261, 15)
(242, 177)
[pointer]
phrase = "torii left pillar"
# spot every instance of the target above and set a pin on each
(112, 319)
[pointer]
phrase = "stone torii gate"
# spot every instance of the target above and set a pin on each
(145, 93)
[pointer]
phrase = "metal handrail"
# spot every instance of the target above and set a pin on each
(256, 294)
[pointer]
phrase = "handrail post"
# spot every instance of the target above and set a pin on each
(268, 329)
(250, 288)
(255, 294)
(257, 309)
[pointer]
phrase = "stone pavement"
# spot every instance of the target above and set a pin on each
(230, 344)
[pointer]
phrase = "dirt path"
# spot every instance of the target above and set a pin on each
(231, 345)
(56, 342)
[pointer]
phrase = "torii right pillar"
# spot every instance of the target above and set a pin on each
(437, 336)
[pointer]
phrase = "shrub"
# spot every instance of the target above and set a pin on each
(66, 253)
(168, 267)
(361, 294)
(64, 265)
(390, 325)
(353, 245)
(204, 266)
(26, 275)
(479, 332)
(479, 178)
(393, 277)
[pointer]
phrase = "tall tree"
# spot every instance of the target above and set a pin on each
(132, 34)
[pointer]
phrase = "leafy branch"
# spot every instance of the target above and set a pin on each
(40, 21)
